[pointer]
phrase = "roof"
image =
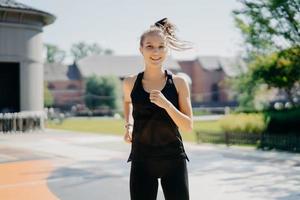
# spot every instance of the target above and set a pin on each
(16, 6)
(210, 62)
(60, 72)
(231, 66)
(120, 66)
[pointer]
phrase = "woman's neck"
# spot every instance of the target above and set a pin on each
(154, 73)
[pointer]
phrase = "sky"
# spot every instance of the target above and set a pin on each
(117, 25)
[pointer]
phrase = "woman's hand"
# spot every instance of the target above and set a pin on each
(128, 136)
(159, 99)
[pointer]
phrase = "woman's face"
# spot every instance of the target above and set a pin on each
(154, 49)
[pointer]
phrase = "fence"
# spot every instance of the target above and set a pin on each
(21, 122)
(287, 142)
(227, 138)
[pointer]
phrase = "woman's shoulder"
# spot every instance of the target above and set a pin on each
(181, 84)
(179, 80)
(129, 80)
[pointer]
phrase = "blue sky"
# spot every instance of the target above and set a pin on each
(118, 24)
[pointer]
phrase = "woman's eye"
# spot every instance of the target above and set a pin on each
(149, 46)
(161, 47)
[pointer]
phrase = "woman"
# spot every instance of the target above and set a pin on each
(160, 104)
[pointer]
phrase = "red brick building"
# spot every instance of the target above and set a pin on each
(65, 84)
(208, 75)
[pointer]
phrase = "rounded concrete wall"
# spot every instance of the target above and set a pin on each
(23, 44)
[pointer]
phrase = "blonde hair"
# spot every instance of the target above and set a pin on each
(167, 29)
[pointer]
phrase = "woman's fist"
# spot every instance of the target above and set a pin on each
(159, 99)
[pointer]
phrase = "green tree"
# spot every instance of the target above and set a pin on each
(81, 49)
(280, 70)
(272, 39)
(102, 91)
(54, 54)
(48, 98)
(269, 25)
(245, 88)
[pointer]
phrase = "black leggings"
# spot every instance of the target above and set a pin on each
(173, 178)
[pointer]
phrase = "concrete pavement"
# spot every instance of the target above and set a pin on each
(72, 166)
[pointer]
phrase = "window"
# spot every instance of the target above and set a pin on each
(72, 86)
(51, 86)
(215, 92)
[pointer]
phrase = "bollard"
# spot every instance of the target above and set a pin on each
(14, 122)
(1, 122)
(5, 123)
(22, 122)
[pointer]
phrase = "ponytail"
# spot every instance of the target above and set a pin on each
(168, 29)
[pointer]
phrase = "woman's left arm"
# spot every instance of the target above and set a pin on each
(183, 117)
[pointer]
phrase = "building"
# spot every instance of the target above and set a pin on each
(65, 83)
(21, 62)
(120, 66)
(208, 75)
(21, 66)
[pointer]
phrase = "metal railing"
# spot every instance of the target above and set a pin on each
(288, 142)
(25, 121)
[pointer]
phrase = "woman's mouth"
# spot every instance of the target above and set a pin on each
(155, 59)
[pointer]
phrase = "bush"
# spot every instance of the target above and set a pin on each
(283, 121)
(103, 92)
(48, 97)
(243, 123)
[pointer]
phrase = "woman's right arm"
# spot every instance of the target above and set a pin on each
(127, 88)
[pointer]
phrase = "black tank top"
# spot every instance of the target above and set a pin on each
(155, 135)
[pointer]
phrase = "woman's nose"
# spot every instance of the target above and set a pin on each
(155, 50)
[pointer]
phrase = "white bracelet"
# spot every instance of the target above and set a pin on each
(127, 126)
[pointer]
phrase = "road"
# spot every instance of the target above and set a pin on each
(69, 165)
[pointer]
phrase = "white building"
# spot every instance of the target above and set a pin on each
(21, 61)
(21, 66)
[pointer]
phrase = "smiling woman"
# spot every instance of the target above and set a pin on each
(156, 105)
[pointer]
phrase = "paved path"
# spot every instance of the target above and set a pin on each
(74, 166)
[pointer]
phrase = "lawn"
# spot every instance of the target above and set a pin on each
(115, 126)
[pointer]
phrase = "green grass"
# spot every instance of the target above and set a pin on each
(207, 126)
(200, 112)
(115, 126)
(96, 125)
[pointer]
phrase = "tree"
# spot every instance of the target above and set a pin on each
(269, 25)
(81, 49)
(54, 54)
(272, 39)
(48, 98)
(102, 91)
(108, 52)
(280, 70)
(245, 88)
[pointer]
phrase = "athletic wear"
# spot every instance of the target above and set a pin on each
(157, 150)
(173, 179)
(155, 135)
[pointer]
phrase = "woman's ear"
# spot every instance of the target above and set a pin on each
(141, 51)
